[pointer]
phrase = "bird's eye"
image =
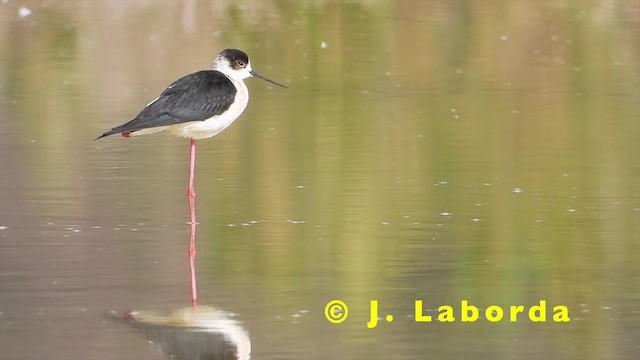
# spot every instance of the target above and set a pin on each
(241, 63)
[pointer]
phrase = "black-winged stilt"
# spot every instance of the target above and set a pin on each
(197, 106)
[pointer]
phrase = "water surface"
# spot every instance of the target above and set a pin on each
(425, 150)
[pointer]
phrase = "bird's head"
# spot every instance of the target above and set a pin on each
(236, 64)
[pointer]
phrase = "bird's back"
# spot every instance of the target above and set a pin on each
(194, 97)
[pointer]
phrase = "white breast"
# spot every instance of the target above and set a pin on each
(216, 124)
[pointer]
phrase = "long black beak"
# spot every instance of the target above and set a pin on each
(255, 74)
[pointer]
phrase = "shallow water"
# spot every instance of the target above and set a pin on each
(425, 150)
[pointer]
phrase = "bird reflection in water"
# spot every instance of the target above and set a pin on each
(192, 333)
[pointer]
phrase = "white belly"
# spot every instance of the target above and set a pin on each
(216, 124)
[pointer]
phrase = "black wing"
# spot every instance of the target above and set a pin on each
(197, 96)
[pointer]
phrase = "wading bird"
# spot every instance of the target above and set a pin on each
(197, 106)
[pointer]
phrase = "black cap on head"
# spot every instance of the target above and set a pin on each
(237, 58)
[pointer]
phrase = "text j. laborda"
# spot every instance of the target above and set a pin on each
(337, 311)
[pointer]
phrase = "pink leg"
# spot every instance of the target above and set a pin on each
(191, 194)
(192, 191)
